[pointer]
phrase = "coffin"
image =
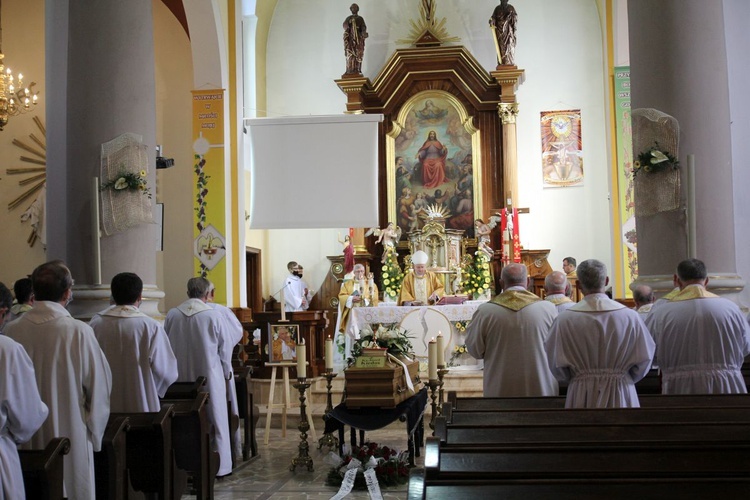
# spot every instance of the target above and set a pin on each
(381, 387)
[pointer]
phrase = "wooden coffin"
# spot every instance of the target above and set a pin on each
(382, 387)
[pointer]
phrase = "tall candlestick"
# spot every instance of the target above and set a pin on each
(329, 353)
(440, 350)
(432, 359)
(301, 359)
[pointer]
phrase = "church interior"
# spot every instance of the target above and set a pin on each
(254, 140)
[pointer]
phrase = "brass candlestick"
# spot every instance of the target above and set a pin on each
(328, 439)
(442, 370)
(303, 458)
(433, 385)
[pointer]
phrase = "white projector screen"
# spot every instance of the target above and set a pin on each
(313, 171)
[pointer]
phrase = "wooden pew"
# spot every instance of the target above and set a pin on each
(668, 470)
(43, 470)
(110, 464)
(149, 453)
(191, 436)
(551, 402)
(248, 411)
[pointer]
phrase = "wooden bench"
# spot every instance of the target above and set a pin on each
(43, 470)
(580, 471)
(149, 453)
(552, 402)
(248, 411)
(110, 464)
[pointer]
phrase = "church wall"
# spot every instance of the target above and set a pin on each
(23, 44)
(174, 77)
(559, 46)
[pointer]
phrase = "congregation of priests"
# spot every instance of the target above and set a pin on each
(63, 377)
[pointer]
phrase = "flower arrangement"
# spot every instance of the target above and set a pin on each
(475, 272)
(654, 160)
(461, 325)
(396, 340)
(392, 275)
(458, 350)
(391, 467)
(129, 180)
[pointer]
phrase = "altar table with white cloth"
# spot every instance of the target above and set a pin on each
(422, 323)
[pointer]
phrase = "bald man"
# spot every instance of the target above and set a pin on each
(508, 333)
(643, 296)
(556, 288)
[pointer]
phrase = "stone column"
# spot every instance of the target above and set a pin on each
(101, 64)
(685, 60)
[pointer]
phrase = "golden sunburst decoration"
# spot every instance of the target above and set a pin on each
(436, 211)
(428, 31)
(38, 174)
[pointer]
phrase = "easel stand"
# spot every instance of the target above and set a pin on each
(286, 403)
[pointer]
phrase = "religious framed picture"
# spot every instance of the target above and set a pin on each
(282, 342)
(432, 164)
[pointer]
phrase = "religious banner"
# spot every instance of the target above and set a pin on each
(562, 148)
(210, 208)
(626, 258)
(511, 249)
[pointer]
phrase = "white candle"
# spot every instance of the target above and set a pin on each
(95, 241)
(691, 212)
(329, 353)
(432, 360)
(440, 350)
(283, 305)
(301, 359)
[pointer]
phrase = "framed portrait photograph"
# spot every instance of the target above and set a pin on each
(282, 343)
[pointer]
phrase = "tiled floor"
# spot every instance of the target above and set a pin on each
(268, 476)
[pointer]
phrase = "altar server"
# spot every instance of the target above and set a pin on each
(137, 349)
(600, 347)
(198, 340)
(701, 338)
(72, 374)
(22, 411)
(420, 286)
(508, 333)
(297, 295)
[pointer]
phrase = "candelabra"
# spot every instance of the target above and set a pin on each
(434, 384)
(328, 439)
(304, 457)
(442, 370)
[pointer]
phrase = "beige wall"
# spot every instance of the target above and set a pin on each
(23, 46)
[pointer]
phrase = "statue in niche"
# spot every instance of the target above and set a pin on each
(355, 32)
(503, 24)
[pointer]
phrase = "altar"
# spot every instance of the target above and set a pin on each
(423, 323)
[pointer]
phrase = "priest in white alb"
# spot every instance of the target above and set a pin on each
(297, 294)
(508, 333)
(233, 332)
(196, 333)
(599, 346)
(137, 349)
(701, 338)
(420, 286)
(22, 411)
(556, 285)
(72, 374)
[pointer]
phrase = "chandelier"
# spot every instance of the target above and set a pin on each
(15, 97)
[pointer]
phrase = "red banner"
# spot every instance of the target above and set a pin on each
(511, 248)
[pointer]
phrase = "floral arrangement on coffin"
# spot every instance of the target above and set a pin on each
(130, 181)
(395, 340)
(458, 351)
(476, 278)
(392, 276)
(654, 160)
(391, 467)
